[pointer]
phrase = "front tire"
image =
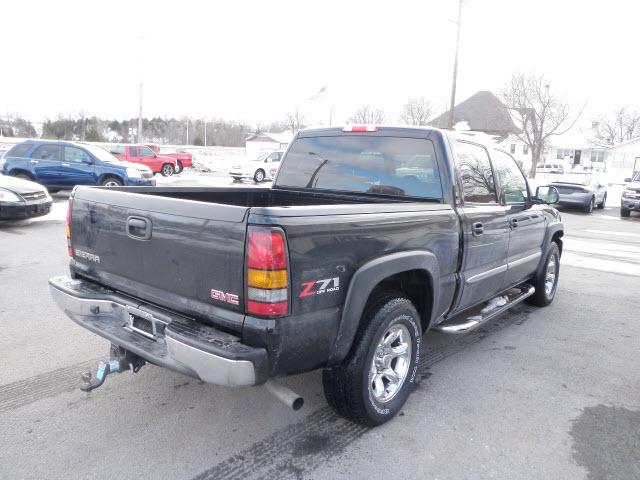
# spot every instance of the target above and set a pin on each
(167, 170)
(111, 182)
(546, 282)
(23, 176)
(604, 200)
(258, 177)
(374, 381)
(625, 212)
(179, 167)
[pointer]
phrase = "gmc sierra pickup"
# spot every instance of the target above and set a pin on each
(369, 237)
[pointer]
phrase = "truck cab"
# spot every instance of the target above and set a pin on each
(145, 155)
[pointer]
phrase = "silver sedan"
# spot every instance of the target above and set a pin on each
(581, 190)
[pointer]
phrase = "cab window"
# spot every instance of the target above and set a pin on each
(478, 185)
(146, 152)
(512, 182)
(133, 151)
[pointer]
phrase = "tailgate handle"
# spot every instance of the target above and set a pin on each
(139, 228)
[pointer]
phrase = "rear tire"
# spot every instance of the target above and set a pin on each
(604, 200)
(167, 170)
(111, 182)
(375, 379)
(179, 167)
(625, 212)
(546, 283)
(589, 208)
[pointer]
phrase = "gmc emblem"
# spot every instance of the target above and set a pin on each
(224, 297)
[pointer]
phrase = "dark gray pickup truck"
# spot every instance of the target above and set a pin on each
(368, 238)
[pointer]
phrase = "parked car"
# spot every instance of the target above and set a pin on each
(582, 190)
(22, 199)
(146, 156)
(630, 196)
(61, 165)
(369, 237)
(550, 168)
(260, 169)
(183, 159)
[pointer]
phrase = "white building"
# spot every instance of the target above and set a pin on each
(257, 143)
(624, 158)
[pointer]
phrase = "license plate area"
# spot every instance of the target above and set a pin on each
(144, 323)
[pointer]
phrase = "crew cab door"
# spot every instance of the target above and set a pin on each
(526, 221)
(484, 225)
(149, 158)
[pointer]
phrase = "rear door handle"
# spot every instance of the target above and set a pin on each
(513, 222)
(477, 228)
(139, 228)
(66, 164)
(34, 162)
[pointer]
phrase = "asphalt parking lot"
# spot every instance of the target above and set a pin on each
(537, 393)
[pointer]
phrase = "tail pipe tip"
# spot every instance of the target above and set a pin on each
(287, 396)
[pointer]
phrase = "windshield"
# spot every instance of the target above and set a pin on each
(101, 154)
(363, 164)
(637, 177)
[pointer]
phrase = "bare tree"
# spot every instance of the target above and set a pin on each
(295, 120)
(621, 126)
(538, 111)
(367, 114)
(417, 111)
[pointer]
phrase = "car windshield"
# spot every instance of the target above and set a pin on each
(637, 177)
(575, 178)
(101, 154)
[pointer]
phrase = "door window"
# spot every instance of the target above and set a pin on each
(512, 182)
(146, 152)
(477, 177)
(133, 151)
(47, 152)
(76, 155)
(117, 150)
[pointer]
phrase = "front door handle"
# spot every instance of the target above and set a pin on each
(513, 222)
(64, 164)
(33, 162)
(477, 228)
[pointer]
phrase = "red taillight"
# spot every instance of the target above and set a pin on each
(266, 249)
(361, 128)
(69, 247)
(267, 272)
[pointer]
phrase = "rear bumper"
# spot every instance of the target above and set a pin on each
(580, 200)
(171, 340)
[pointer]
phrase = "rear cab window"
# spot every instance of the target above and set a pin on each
(47, 152)
(473, 163)
(402, 167)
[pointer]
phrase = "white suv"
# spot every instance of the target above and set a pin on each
(260, 169)
(550, 168)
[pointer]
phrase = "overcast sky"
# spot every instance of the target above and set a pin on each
(254, 61)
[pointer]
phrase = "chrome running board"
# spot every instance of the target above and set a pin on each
(472, 322)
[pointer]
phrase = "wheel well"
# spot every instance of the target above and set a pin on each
(416, 285)
(110, 175)
(18, 171)
(557, 237)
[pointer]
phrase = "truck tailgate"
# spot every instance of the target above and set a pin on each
(181, 254)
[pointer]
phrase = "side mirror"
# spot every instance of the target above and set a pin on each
(627, 180)
(547, 195)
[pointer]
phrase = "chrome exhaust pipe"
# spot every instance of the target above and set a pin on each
(287, 396)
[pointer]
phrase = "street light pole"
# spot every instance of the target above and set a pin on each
(455, 70)
(140, 115)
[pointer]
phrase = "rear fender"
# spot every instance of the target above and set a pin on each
(363, 282)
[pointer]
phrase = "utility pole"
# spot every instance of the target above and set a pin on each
(187, 131)
(205, 132)
(140, 115)
(455, 69)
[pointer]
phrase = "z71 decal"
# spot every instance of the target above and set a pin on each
(318, 287)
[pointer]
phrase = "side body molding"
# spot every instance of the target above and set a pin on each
(365, 279)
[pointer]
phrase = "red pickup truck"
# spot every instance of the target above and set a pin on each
(143, 154)
(183, 159)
